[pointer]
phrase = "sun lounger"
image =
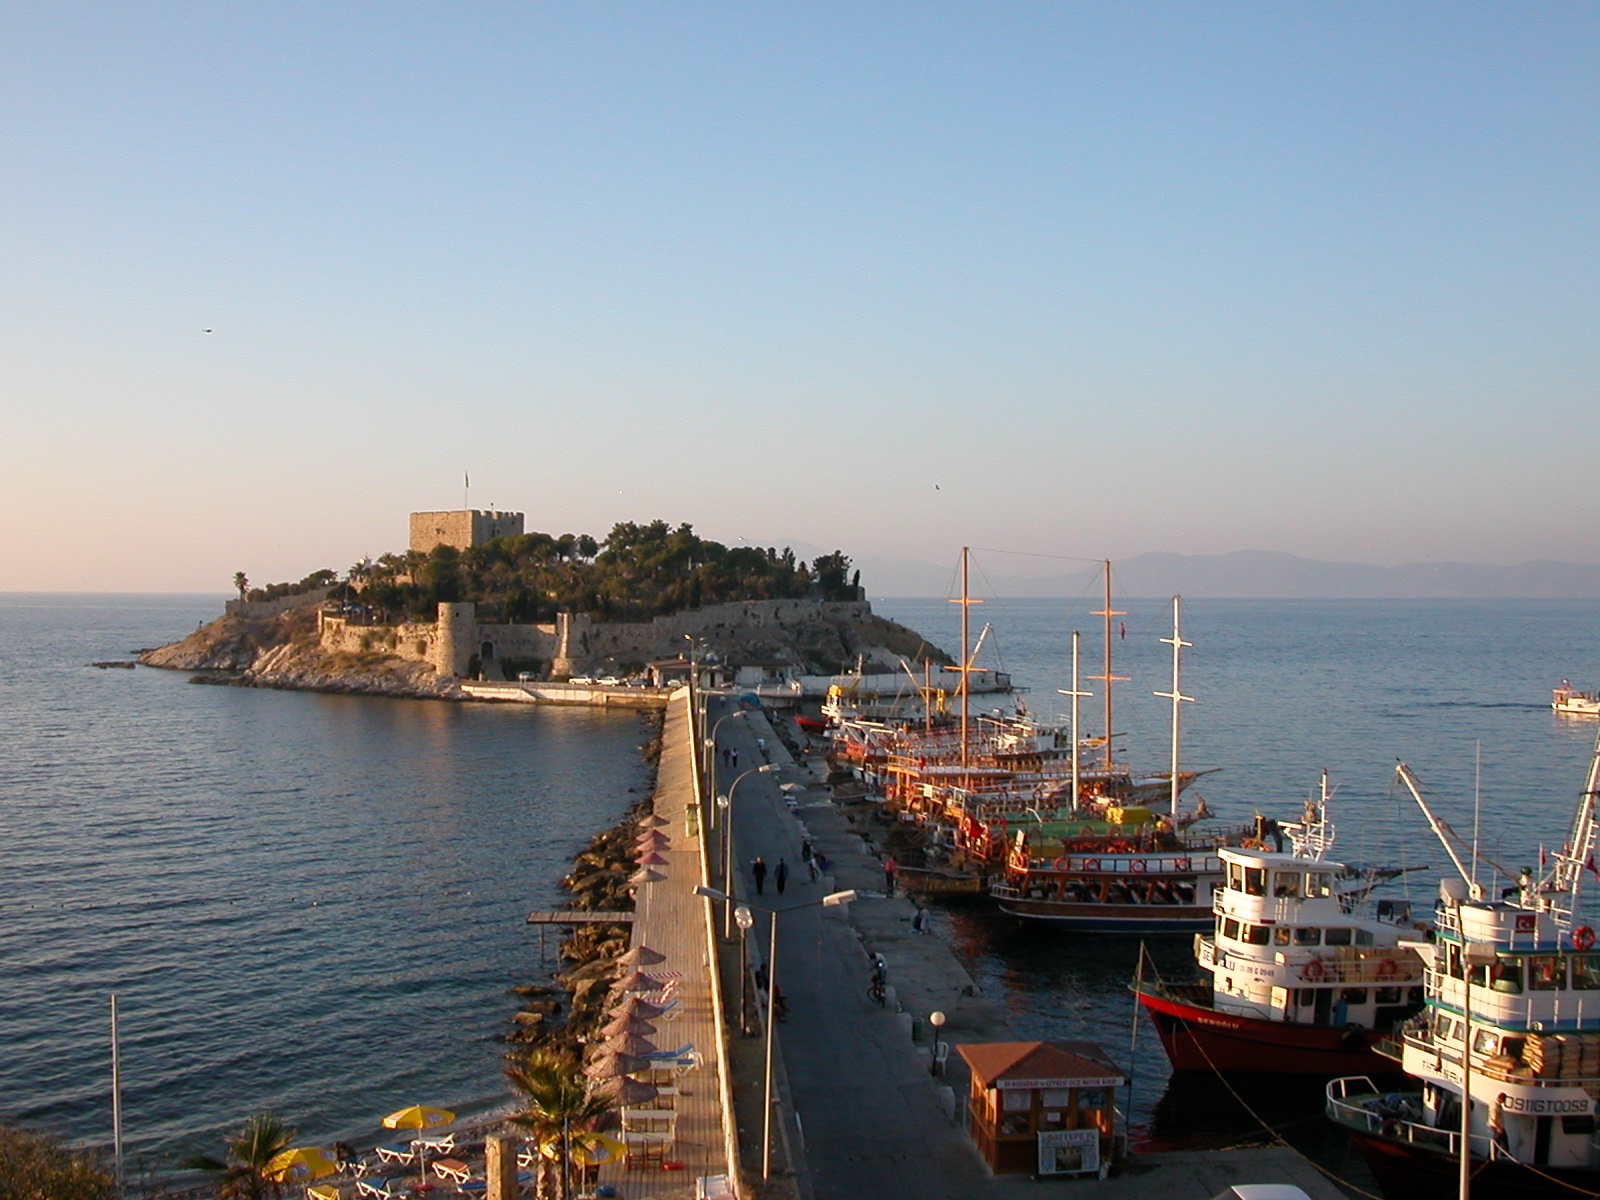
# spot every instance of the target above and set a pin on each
(396, 1152)
(436, 1145)
(682, 1051)
(381, 1189)
(453, 1169)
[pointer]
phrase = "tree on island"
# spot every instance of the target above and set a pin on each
(38, 1167)
(242, 583)
(556, 1107)
(242, 1172)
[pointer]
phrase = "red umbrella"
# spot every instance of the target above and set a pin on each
(608, 1065)
(627, 1023)
(651, 859)
(641, 956)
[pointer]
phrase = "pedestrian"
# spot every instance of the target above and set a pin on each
(888, 876)
(758, 871)
(733, 757)
(1497, 1124)
(822, 862)
(811, 866)
(919, 920)
(805, 850)
(781, 876)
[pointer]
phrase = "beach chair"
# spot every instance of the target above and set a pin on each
(377, 1188)
(397, 1152)
(452, 1169)
(443, 1144)
(322, 1191)
(682, 1051)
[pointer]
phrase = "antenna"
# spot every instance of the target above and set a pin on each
(1477, 798)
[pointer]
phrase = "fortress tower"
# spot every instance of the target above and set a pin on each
(461, 528)
(455, 633)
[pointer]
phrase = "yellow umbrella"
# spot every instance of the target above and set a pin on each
(419, 1116)
(588, 1149)
(303, 1162)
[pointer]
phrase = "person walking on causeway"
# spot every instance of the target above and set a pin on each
(758, 872)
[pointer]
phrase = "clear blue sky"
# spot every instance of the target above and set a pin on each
(1316, 277)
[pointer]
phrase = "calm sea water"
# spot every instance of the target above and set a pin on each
(1283, 689)
(311, 904)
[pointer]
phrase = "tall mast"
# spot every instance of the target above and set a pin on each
(1108, 612)
(1175, 695)
(1075, 693)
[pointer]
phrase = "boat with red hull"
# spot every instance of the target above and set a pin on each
(1199, 1038)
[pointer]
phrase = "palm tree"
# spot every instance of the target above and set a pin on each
(242, 583)
(243, 1172)
(554, 1100)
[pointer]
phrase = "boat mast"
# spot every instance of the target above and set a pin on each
(1108, 612)
(1075, 693)
(965, 668)
(1175, 695)
(1575, 856)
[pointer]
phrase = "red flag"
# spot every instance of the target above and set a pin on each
(1591, 867)
(1541, 856)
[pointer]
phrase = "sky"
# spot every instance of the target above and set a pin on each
(1079, 279)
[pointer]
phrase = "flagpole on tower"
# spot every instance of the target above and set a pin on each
(466, 490)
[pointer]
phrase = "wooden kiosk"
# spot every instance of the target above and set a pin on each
(1042, 1107)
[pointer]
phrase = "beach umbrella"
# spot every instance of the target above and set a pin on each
(652, 822)
(630, 1044)
(609, 1065)
(637, 981)
(641, 956)
(588, 1149)
(622, 1091)
(627, 1023)
(419, 1117)
(651, 859)
(634, 1006)
(650, 835)
(300, 1163)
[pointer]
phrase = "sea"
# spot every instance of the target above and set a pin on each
(316, 905)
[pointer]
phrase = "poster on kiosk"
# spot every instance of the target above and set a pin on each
(1069, 1151)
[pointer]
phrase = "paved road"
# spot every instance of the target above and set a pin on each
(870, 1118)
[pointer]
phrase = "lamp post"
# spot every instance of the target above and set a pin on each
(831, 900)
(936, 1019)
(744, 918)
(726, 802)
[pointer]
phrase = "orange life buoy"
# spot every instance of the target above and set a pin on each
(1182, 864)
(1061, 864)
(1137, 865)
(1387, 969)
(1091, 864)
(1582, 938)
(1312, 970)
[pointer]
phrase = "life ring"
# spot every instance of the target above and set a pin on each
(1091, 864)
(1582, 938)
(1182, 864)
(1061, 864)
(1137, 866)
(1387, 969)
(1313, 970)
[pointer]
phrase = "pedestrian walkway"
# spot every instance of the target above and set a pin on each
(671, 919)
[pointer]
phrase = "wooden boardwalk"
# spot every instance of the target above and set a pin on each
(671, 919)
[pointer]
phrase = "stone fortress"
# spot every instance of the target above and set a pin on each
(457, 645)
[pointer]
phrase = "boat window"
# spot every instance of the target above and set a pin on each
(1505, 975)
(1452, 960)
(1319, 883)
(1353, 995)
(1546, 973)
(1236, 877)
(1286, 884)
(1308, 937)
(1230, 929)
(1280, 935)
(1444, 1028)
(1485, 1041)
(1388, 995)
(1256, 935)
(1583, 1126)
(1255, 881)
(1586, 972)
(1363, 937)
(1337, 937)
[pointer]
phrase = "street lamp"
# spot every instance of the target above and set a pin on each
(744, 918)
(831, 900)
(936, 1019)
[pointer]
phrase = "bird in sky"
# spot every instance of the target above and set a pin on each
(205, 331)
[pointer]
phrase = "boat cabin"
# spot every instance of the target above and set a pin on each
(1288, 945)
(1044, 1108)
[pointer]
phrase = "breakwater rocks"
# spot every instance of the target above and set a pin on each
(599, 882)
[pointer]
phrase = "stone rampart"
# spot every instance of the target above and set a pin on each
(262, 609)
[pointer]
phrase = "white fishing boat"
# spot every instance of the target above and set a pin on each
(1570, 702)
(1512, 1022)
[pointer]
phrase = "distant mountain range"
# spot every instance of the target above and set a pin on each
(1260, 574)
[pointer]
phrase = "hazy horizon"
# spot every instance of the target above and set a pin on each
(1085, 281)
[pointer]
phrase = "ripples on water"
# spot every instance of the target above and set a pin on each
(312, 904)
(1283, 689)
